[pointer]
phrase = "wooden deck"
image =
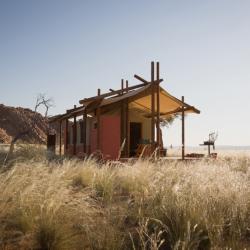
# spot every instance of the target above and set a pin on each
(167, 158)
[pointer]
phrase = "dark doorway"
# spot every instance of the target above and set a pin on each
(135, 136)
(51, 143)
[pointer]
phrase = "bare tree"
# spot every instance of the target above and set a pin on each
(41, 100)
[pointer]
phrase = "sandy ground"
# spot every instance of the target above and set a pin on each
(174, 152)
(221, 152)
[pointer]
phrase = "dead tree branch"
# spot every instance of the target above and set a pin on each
(41, 100)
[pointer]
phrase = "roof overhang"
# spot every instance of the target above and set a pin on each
(141, 99)
(138, 98)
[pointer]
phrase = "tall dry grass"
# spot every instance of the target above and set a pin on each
(73, 204)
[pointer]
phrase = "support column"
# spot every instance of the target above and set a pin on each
(152, 105)
(98, 114)
(85, 131)
(183, 129)
(127, 129)
(60, 138)
(66, 136)
(74, 136)
(158, 107)
(123, 121)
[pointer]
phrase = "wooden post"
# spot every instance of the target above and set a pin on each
(152, 105)
(98, 124)
(122, 118)
(60, 138)
(74, 136)
(66, 136)
(158, 106)
(127, 131)
(127, 128)
(85, 131)
(122, 85)
(183, 129)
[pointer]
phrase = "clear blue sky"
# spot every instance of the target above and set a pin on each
(68, 49)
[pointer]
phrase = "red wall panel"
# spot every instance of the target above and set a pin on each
(110, 136)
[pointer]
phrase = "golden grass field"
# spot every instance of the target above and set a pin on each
(73, 204)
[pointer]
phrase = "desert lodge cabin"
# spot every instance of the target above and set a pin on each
(121, 123)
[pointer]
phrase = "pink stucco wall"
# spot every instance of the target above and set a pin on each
(109, 137)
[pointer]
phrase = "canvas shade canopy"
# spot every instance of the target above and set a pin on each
(139, 99)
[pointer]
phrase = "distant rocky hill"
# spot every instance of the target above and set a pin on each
(16, 120)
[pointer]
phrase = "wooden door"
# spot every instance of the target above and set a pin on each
(135, 136)
(51, 143)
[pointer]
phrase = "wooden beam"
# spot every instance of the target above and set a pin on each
(60, 138)
(93, 105)
(112, 93)
(152, 104)
(178, 110)
(158, 104)
(141, 79)
(183, 130)
(74, 109)
(126, 86)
